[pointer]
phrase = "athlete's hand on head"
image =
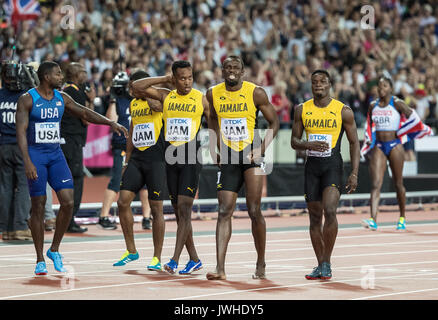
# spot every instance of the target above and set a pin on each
(136, 93)
(318, 146)
(170, 77)
(351, 183)
(119, 129)
(30, 170)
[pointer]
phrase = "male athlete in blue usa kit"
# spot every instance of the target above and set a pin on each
(39, 113)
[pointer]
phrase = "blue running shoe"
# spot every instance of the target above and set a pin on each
(56, 257)
(326, 271)
(369, 224)
(315, 274)
(41, 269)
(171, 266)
(155, 265)
(126, 258)
(191, 266)
(401, 224)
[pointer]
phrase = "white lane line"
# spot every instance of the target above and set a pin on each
(283, 287)
(372, 234)
(396, 293)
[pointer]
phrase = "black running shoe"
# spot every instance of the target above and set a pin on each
(106, 224)
(146, 224)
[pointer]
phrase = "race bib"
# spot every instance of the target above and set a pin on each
(235, 129)
(143, 135)
(47, 132)
(178, 129)
(324, 138)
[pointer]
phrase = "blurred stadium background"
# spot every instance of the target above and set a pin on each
(281, 43)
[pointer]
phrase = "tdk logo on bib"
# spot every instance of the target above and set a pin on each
(48, 125)
(178, 121)
(232, 121)
(143, 126)
(319, 137)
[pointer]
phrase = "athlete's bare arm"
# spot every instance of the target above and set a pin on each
(402, 107)
(129, 144)
(262, 103)
(351, 131)
(89, 115)
(145, 88)
(206, 106)
(213, 125)
(24, 106)
(297, 133)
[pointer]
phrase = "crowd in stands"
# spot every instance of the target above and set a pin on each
(281, 43)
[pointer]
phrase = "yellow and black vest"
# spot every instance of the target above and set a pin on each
(323, 124)
(237, 114)
(182, 116)
(147, 125)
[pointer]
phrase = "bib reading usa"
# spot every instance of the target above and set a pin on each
(47, 132)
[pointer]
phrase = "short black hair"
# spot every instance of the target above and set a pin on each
(46, 68)
(139, 74)
(321, 71)
(180, 64)
(235, 58)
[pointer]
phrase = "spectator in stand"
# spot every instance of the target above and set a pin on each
(325, 35)
(281, 104)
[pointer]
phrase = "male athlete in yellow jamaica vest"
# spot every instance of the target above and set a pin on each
(324, 119)
(182, 110)
(234, 104)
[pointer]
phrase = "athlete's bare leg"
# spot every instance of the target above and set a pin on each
(126, 218)
(330, 201)
(396, 162)
(158, 226)
(66, 203)
(36, 225)
(377, 168)
(184, 233)
(227, 203)
(315, 228)
(253, 187)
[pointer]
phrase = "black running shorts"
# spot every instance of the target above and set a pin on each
(233, 165)
(182, 179)
(230, 176)
(138, 173)
(320, 173)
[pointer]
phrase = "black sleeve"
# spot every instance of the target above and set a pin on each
(77, 95)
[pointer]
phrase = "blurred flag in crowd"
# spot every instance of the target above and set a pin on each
(18, 10)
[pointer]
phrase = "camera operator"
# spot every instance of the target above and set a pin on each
(118, 110)
(74, 132)
(15, 204)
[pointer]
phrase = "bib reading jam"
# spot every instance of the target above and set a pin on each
(147, 134)
(323, 169)
(182, 116)
(237, 114)
(323, 124)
